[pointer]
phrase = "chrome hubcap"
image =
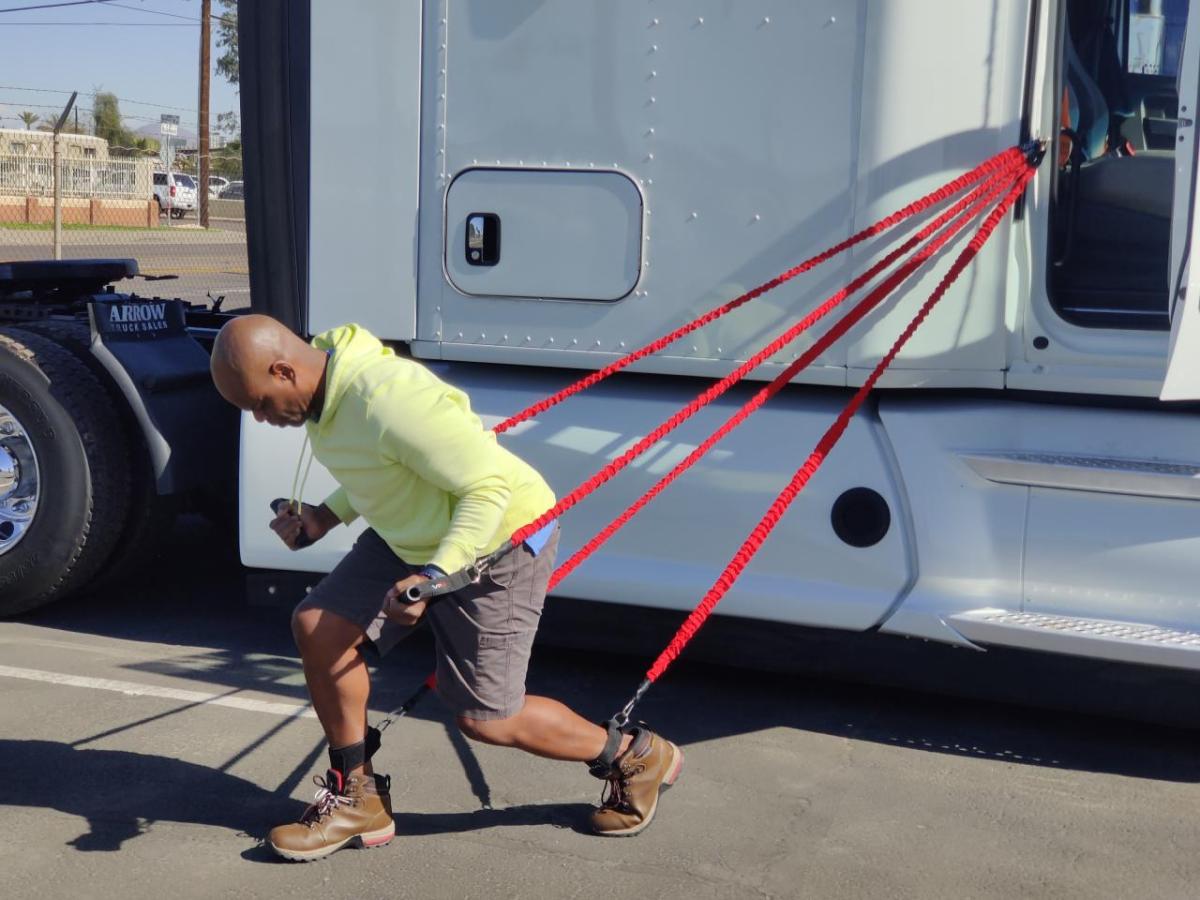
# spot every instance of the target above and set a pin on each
(19, 482)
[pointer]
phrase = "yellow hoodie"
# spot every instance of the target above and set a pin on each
(413, 460)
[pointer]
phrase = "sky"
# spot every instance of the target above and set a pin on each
(140, 55)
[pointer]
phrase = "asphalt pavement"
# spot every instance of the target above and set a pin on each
(153, 730)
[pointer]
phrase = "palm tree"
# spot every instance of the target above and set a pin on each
(28, 118)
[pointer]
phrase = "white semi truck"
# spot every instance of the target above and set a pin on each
(535, 188)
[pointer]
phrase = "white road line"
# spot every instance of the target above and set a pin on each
(145, 690)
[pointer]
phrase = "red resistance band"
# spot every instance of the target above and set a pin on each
(1006, 174)
(989, 167)
(831, 437)
(1000, 165)
(977, 200)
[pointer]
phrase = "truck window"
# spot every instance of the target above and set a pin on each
(1154, 38)
(1110, 217)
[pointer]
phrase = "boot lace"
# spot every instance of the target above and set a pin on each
(325, 802)
(616, 789)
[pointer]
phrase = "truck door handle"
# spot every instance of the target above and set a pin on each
(483, 239)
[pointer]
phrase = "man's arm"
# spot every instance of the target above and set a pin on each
(338, 504)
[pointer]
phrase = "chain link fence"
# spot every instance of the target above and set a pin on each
(128, 208)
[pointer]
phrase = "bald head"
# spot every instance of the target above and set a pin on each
(260, 366)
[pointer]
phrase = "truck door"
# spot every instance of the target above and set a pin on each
(1182, 381)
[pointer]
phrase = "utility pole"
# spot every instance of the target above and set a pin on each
(58, 126)
(202, 150)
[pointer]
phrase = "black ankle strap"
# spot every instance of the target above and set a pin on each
(603, 764)
(373, 742)
(345, 760)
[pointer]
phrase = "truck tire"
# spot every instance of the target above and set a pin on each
(67, 483)
(151, 516)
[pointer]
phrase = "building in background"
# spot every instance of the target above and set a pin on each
(97, 189)
(23, 142)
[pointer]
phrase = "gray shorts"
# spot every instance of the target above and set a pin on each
(484, 633)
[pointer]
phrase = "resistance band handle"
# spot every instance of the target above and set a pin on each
(279, 506)
(456, 581)
(447, 584)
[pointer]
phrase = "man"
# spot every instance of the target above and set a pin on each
(437, 493)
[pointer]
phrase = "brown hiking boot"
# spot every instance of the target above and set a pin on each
(358, 809)
(638, 776)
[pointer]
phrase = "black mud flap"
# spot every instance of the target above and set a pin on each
(190, 431)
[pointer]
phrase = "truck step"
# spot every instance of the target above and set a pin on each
(1101, 638)
(1106, 475)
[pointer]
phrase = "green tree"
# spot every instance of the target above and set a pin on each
(227, 41)
(106, 118)
(228, 125)
(28, 118)
(145, 145)
(227, 161)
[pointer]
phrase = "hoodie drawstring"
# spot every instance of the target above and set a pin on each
(299, 482)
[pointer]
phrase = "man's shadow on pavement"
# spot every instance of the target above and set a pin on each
(573, 816)
(122, 794)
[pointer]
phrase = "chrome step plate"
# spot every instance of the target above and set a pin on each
(1097, 638)
(1138, 477)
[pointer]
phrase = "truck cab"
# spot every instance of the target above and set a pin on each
(563, 185)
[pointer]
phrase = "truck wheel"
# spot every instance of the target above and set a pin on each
(151, 516)
(63, 472)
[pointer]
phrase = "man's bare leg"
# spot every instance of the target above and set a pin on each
(544, 727)
(354, 804)
(336, 674)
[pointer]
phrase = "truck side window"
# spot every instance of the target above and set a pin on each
(1110, 219)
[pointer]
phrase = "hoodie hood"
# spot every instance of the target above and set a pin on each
(353, 349)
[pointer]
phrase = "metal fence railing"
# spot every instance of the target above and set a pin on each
(119, 208)
(33, 176)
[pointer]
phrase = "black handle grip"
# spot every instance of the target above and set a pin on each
(280, 505)
(446, 584)
(423, 591)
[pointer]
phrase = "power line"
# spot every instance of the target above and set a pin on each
(35, 105)
(85, 109)
(13, 87)
(159, 12)
(109, 24)
(111, 5)
(53, 5)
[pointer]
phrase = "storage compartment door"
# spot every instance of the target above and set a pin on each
(544, 234)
